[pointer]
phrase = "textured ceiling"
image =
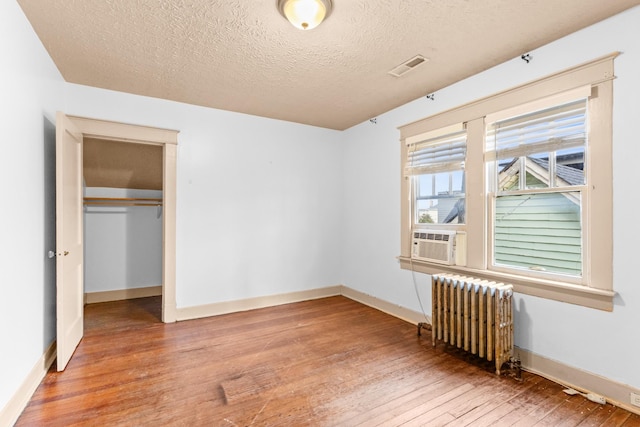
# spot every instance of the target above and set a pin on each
(241, 55)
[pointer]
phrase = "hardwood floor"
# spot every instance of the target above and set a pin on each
(327, 362)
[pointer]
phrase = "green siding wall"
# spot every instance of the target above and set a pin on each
(540, 231)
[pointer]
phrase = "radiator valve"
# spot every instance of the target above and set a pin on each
(424, 325)
(516, 366)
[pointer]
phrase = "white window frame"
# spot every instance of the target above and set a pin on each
(549, 102)
(595, 289)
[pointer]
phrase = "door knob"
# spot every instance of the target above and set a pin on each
(66, 253)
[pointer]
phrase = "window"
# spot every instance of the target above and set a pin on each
(537, 186)
(526, 177)
(436, 168)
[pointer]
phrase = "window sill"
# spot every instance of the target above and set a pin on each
(565, 292)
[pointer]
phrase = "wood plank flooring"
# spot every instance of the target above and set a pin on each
(327, 362)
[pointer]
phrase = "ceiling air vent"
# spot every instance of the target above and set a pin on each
(407, 66)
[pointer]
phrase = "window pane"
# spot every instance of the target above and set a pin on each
(444, 210)
(508, 174)
(424, 185)
(537, 170)
(540, 232)
(439, 198)
(570, 167)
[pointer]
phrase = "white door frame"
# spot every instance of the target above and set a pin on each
(168, 139)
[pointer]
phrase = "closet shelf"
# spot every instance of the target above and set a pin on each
(121, 201)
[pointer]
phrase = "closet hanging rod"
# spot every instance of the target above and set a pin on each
(121, 201)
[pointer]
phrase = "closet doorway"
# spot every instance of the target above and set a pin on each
(71, 134)
(122, 220)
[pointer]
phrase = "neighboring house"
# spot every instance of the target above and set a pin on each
(449, 207)
(543, 233)
(454, 209)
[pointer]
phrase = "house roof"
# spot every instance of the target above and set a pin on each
(570, 175)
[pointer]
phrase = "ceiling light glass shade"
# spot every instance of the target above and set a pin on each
(305, 14)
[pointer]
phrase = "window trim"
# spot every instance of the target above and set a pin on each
(598, 292)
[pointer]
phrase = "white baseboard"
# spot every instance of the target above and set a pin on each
(215, 309)
(393, 309)
(616, 393)
(218, 308)
(12, 410)
(120, 294)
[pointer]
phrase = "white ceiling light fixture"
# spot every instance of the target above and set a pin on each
(305, 14)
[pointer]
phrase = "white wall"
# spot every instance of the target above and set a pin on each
(258, 200)
(122, 244)
(31, 90)
(596, 341)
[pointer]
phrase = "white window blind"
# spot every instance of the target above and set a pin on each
(548, 130)
(438, 154)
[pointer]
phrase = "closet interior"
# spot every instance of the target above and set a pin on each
(122, 220)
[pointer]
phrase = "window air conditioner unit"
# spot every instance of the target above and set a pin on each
(439, 246)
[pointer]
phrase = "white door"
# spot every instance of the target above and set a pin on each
(69, 250)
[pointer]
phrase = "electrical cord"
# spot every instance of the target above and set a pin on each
(415, 287)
